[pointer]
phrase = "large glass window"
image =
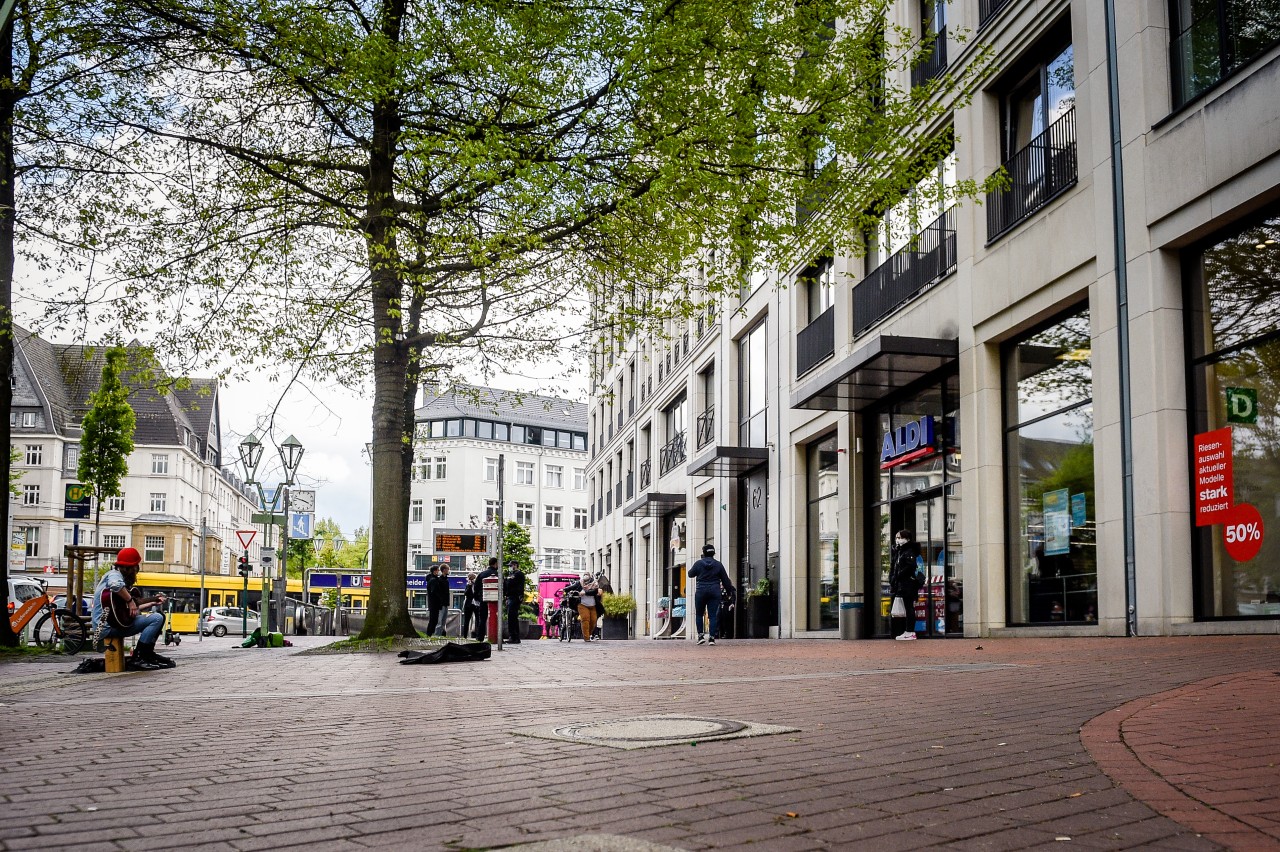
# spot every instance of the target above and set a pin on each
(753, 384)
(1211, 38)
(1235, 346)
(824, 535)
(1050, 502)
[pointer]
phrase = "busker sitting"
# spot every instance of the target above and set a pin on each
(118, 611)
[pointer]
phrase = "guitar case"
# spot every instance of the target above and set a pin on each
(449, 652)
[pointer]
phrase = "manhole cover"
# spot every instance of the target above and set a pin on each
(651, 731)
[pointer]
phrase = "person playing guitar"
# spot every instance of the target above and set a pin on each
(117, 610)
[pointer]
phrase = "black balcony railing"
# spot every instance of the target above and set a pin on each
(617, 494)
(672, 454)
(1039, 173)
(816, 342)
(928, 258)
(934, 64)
(600, 507)
(987, 10)
(631, 484)
(646, 473)
(707, 426)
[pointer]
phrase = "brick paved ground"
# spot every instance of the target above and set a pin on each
(900, 745)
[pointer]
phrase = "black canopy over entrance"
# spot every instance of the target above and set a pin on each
(882, 366)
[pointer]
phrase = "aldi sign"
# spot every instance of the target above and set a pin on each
(909, 442)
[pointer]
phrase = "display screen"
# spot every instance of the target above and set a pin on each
(465, 543)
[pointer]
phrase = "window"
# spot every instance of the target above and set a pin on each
(579, 519)
(159, 462)
(70, 459)
(524, 473)
(113, 540)
(31, 495)
(490, 511)
(35, 453)
(823, 582)
(153, 548)
(579, 479)
(116, 504)
(1046, 93)
(501, 432)
(484, 429)
(553, 559)
(438, 507)
(159, 502)
(1050, 502)
(555, 476)
(753, 386)
(29, 419)
(1233, 299)
(1209, 39)
(579, 560)
(415, 511)
(524, 514)
(554, 514)
(33, 541)
(441, 467)
(819, 283)
(490, 470)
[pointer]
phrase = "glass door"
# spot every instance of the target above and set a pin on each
(932, 518)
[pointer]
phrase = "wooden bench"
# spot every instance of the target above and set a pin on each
(113, 653)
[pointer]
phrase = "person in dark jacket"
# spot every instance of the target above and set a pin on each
(482, 609)
(903, 583)
(710, 577)
(513, 589)
(469, 608)
(437, 600)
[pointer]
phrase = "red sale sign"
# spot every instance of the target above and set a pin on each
(1242, 534)
(1212, 476)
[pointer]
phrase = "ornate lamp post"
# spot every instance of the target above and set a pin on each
(290, 458)
(250, 455)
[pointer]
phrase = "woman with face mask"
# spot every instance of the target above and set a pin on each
(903, 585)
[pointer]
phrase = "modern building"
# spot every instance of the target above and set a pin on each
(1081, 447)
(176, 473)
(464, 432)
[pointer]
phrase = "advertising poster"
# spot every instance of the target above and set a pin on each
(1057, 523)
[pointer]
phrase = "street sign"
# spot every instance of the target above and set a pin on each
(470, 541)
(302, 501)
(76, 502)
(246, 537)
(265, 518)
(267, 557)
(301, 524)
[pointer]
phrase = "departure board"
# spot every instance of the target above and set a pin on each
(453, 541)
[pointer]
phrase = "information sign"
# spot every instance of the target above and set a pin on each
(1057, 523)
(1214, 491)
(464, 541)
(1242, 405)
(76, 502)
(301, 524)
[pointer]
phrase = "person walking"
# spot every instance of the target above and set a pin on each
(437, 600)
(903, 585)
(606, 588)
(482, 608)
(710, 578)
(513, 589)
(468, 605)
(587, 605)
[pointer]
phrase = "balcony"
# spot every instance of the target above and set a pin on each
(927, 259)
(1039, 173)
(671, 455)
(934, 64)
(987, 10)
(707, 426)
(646, 473)
(815, 343)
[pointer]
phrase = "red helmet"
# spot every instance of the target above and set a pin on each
(129, 556)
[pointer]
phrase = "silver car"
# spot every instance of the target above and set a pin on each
(221, 620)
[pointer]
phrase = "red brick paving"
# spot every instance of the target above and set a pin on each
(901, 745)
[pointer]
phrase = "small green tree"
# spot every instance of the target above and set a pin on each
(15, 475)
(516, 548)
(106, 438)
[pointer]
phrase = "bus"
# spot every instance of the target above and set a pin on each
(220, 590)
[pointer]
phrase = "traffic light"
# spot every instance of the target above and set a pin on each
(244, 568)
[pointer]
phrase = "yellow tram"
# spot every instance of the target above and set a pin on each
(184, 591)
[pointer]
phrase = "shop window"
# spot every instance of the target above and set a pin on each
(824, 535)
(1234, 322)
(1050, 500)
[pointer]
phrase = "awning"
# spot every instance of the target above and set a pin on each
(882, 366)
(654, 505)
(728, 461)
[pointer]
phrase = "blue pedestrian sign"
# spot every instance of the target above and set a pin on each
(301, 524)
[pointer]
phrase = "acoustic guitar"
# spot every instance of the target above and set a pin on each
(122, 610)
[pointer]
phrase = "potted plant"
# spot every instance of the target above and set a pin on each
(529, 626)
(617, 616)
(761, 605)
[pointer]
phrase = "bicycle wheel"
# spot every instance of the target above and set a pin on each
(63, 626)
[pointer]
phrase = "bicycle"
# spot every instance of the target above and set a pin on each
(569, 621)
(56, 626)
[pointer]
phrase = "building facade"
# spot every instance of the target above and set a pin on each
(175, 478)
(1081, 447)
(462, 434)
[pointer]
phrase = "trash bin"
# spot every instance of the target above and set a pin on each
(851, 615)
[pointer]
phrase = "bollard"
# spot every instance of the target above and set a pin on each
(851, 615)
(490, 592)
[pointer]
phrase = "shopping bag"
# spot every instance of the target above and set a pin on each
(899, 608)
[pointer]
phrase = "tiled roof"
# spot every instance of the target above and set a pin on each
(42, 357)
(506, 406)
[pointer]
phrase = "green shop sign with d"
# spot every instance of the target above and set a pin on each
(1242, 405)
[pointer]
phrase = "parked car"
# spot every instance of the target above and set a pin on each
(221, 620)
(86, 604)
(21, 590)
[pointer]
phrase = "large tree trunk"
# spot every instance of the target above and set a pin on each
(7, 197)
(388, 612)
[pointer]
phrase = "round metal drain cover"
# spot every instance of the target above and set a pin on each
(651, 729)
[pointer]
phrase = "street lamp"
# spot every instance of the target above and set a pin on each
(290, 456)
(250, 455)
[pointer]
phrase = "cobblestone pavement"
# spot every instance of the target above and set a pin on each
(966, 744)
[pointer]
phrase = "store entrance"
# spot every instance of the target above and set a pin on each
(931, 517)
